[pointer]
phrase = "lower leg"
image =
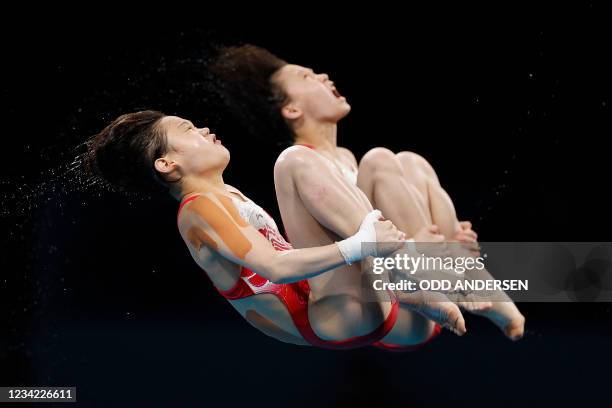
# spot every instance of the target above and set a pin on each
(502, 310)
(442, 210)
(434, 306)
(418, 172)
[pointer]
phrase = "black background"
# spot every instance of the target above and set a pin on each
(101, 294)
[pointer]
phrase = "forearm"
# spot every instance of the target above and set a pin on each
(309, 262)
(299, 264)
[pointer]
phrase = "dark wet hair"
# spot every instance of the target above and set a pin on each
(124, 152)
(244, 83)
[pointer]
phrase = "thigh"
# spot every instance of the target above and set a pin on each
(417, 171)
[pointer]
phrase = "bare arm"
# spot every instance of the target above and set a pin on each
(331, 201)
(212, 221)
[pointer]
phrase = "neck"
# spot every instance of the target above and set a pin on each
(198, 184)
(323, 136)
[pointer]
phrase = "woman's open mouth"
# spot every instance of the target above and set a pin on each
(214, 139)
(336, 93)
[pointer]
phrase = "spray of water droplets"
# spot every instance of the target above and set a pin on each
(57, 186)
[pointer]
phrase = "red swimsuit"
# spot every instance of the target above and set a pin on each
(293, 295)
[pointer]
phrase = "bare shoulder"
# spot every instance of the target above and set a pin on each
(296, 152)
(296, 157)
(348, 155)
(234, 190)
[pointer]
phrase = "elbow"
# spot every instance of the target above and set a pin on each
(277, 273)
(282, 281)
(279, 279)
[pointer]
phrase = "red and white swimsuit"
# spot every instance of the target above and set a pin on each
(293, 295)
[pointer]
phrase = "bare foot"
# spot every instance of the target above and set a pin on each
(507, 317)
(502, 311)
(504, 314)
(435, 306)
(471, 303)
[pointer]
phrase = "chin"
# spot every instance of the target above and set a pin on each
(335, 113)
(347, 107)
(344, 110)
(225, 162)
(227, 156)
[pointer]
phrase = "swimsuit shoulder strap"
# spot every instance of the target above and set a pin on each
(307, 145)
(233, 189)
(185, 201)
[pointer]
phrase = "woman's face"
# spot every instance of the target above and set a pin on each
(311, 95)
(194, 150)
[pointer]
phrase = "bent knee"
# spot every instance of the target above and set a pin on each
(379, 159)
(412, 161)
